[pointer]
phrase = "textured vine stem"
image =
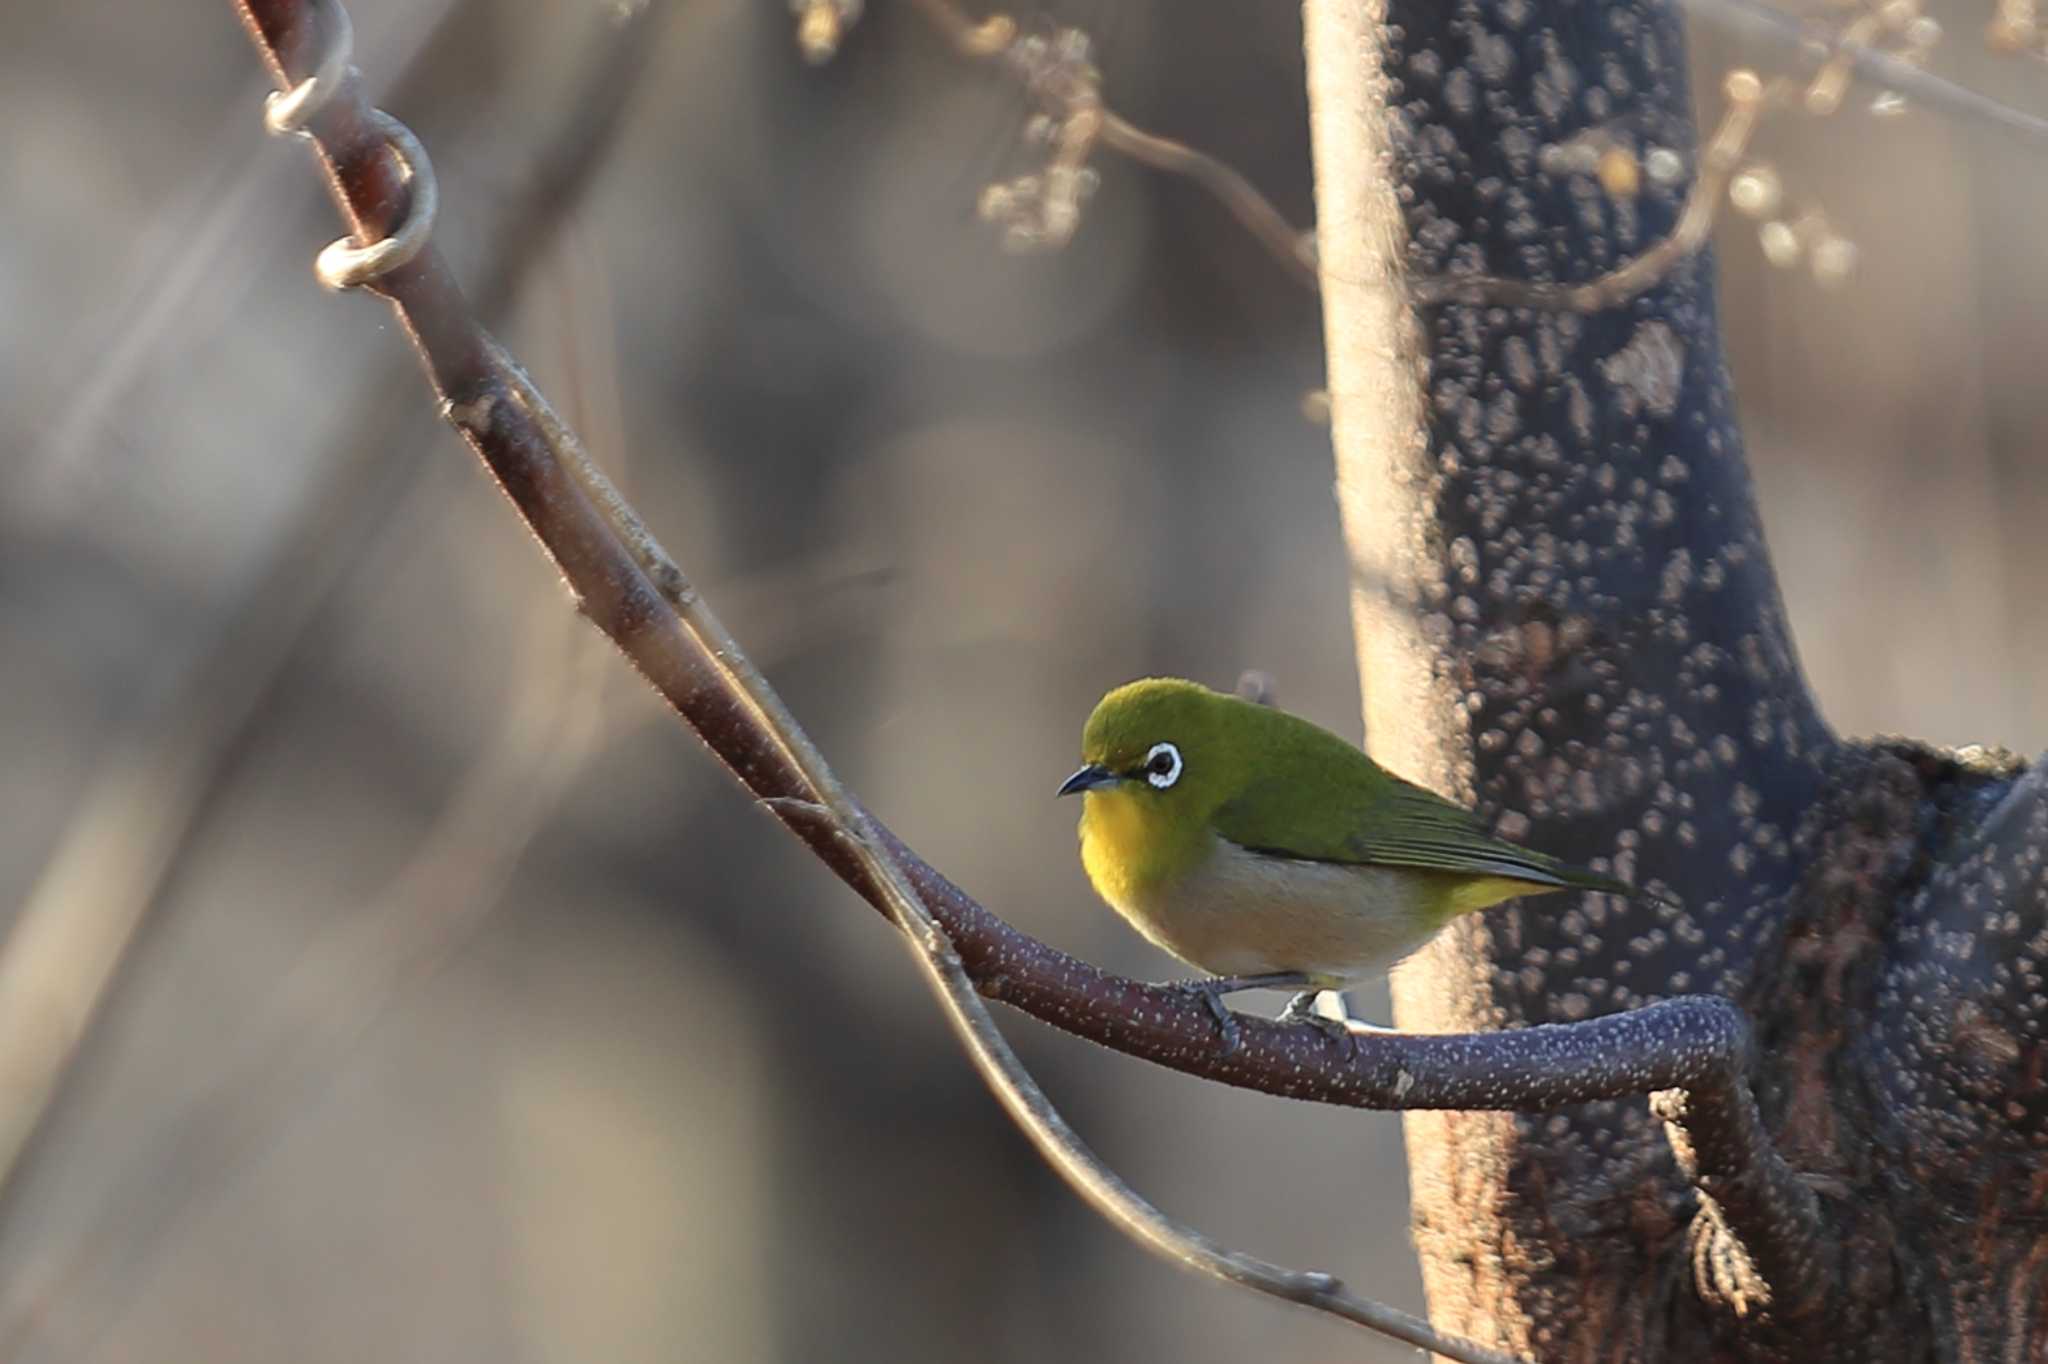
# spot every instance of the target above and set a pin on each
(636, 595)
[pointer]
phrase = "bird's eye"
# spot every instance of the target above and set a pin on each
(1162, 765)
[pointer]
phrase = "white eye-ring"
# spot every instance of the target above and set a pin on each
(1162, 765)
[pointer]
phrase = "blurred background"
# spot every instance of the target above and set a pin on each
(469, 1011)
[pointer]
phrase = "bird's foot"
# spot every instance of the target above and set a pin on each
(1226, 1022)
(1211, 991)
(1302, 1009)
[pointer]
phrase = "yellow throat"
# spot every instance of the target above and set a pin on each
(1127, 851)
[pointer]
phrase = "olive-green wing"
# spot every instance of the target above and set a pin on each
(1373, 818)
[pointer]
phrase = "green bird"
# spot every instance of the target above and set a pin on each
(1267, 851)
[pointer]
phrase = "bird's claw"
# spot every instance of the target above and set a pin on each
(1212, 990)
(1302, 1009)
(1212, 999)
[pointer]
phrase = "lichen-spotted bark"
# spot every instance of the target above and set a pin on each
(1566, 613)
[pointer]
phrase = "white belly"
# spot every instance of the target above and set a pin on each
(1245, 913)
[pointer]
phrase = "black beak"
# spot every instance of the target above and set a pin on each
(1094, 774)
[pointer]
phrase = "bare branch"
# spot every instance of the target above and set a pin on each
(1839, 55)
(637, 596)
(1868, 64)
(73, 929)
(1294, 247)
(549, 725)
(1724, 150)
(1070, 88)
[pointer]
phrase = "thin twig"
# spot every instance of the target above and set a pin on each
(1836, 54)
(72, 931)
(332, 995)
(997, 38)
(1294, 247)
(640, 599)
(1695, 224)
(1817, 44)
(168, 282)
(1078, 101)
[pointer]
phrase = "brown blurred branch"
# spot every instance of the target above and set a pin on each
(73, 930)
(1294, 247)
(333, 994)
(630, 589)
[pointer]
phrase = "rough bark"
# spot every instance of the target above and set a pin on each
(1566, 613)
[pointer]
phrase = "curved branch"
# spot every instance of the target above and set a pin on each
(631, 590)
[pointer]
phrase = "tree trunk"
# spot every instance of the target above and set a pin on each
(1566, 614)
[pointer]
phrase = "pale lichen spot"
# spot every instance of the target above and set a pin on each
(1464, 555)
(1650, 369)
(1579, 410)
(1519, 146)
(1555, 83)
(1493, 57)
(1461, 92)
(1677, 576)
(1503, 418)
(1518, 363)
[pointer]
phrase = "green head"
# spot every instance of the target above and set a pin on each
(1176, 747)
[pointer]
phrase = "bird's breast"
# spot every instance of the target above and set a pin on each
(1232, 911)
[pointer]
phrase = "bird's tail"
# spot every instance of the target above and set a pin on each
(1579, 878)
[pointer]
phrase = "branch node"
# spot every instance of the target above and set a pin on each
(1320, 1284)
(795, 807)
(471, 417)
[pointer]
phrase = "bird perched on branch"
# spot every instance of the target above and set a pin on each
(1266, 850)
